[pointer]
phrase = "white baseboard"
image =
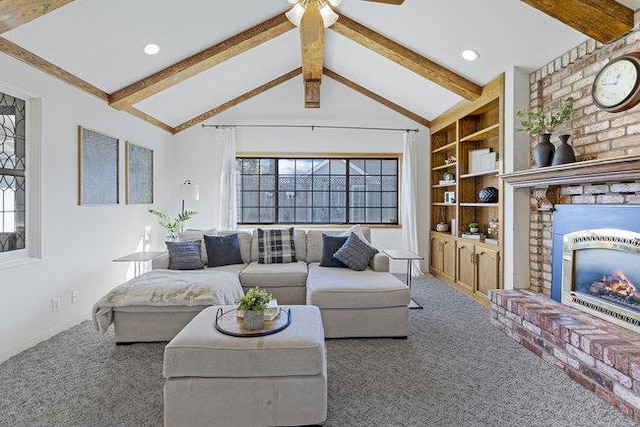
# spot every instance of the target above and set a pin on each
(30, 342)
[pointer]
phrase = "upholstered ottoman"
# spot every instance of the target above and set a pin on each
(216, 379)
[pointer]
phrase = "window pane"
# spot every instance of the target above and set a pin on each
(357, 199)
(321, 199)
(338, 167)
(321, 215)
(267, 198)
(338, 215)
(250, 198)
(372, 183)
(389, 216)
(320, 183)
(373, 215)
(251, 215)
(287, 198)
(390, 200)
(286, 166)
(303, 199)
(250, 183)
(303, 183)
(338, 183)
(304, 166)
(356, 215)
(267, 166)
(303, 214)
(390, 167)
(389, 183)
(251, 166)
(267, 215)
(373, 199)
(287, 215)
(268, 182)
(373, 167)
(286, 182)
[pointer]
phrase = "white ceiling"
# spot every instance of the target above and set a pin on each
(101, 42)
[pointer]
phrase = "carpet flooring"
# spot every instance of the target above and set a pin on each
(454, 369)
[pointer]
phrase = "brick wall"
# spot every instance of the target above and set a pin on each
(596, 134)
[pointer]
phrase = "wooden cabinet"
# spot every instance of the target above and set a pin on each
(466, 144)
(477, 268)
(443, 256)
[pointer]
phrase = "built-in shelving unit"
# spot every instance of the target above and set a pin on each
(470, 129)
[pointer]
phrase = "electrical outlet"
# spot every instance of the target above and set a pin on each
(55, 304)
(74, 297)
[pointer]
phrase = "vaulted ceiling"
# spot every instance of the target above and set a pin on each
(216, 54)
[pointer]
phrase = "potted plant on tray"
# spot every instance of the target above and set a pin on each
(253, 303)
(535, 121)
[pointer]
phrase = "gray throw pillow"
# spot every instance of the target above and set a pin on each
(185, 255)
(355, 253)
(276, 246)
(223, 250)
(330, 245)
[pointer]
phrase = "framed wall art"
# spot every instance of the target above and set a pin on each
(98, 169)
(139, 174)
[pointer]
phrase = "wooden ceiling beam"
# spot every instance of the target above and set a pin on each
(201, 61)
(150, 119)
(14, 13)
(602, 20)
(312, 47)
(238, 100)
(384, 101)
(407, 58)
(21, 54)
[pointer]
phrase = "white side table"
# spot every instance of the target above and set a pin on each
(139, 258)
(403, 254)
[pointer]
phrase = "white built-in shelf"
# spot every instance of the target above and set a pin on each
(453, 184)
(471, 175)
(443, 204)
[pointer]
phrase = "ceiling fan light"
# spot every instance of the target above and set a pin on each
(295, 14)
(470, 55)
(293, 1)
(335, 2)
(329, 17)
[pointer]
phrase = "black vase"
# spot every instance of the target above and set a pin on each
(564, 153)
(543, 152)
(488, 195)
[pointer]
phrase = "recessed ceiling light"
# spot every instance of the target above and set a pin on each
(151, 49)
(470, 55)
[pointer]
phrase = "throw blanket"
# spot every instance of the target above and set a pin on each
(166, 288)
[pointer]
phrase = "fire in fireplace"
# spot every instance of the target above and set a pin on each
(601, 274)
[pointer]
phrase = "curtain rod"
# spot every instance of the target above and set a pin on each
(312, 127)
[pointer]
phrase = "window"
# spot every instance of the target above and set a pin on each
(12, 173)
(317, 191)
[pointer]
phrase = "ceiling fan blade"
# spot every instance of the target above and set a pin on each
(396, 2)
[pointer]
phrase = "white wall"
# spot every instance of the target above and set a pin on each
(196, 152)
(78, 242)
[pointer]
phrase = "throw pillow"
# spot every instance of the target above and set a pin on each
(185, 255)
(276, 246)
(330, 245)
(223, 250)
(193, 234)
(355, 253)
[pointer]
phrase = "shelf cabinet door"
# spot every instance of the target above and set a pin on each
(436, 262)
(466, 266)
(449, 258)
(488, 262)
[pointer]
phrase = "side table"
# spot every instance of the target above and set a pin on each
(400, 255)
(139, 258)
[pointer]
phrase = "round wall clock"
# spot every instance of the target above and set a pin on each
(617, 86)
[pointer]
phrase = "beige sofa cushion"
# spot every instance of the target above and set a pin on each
(199, 350)
(344, 288)
(270, 275)
(299, 237)
(314, 241)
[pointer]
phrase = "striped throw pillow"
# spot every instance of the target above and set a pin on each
(276, 246)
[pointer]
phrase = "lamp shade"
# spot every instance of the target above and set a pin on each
(329, 17)
(190, 191)
(295, 14)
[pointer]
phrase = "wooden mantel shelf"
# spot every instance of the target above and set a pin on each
(604, 170)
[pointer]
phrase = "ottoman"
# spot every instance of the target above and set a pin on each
(216, 379)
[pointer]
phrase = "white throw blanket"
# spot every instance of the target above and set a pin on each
(166, 288)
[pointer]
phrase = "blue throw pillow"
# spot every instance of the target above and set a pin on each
(355, 253)
(185, 255)
(330, 245)
(223, 250)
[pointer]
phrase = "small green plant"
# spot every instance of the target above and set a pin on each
(535, 122)
(473, 225)
(255, 299)
(176, 224)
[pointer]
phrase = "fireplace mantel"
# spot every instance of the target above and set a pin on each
(604, 170)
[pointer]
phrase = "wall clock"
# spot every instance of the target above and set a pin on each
(617, 85)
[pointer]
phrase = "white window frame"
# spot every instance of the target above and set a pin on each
(33, 175)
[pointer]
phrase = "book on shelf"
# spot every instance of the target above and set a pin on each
(494, 242)
(475, 159)
(442, 182)
(474, 236)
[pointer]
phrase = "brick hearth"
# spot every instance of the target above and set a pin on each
(600, 356)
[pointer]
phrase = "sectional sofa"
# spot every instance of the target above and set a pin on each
(369, 303)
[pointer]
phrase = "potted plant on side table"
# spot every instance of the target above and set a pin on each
(173, 226)
(253, 304)
(538, 123)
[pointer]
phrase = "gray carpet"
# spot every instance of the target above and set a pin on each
(455, 369)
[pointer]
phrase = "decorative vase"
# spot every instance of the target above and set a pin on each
(448, 176)
(488, 195)
(253, 319)
(564, 153)
(442, 226)
(543, 151)
(474, 229)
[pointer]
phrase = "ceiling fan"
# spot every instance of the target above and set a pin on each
(312, 17)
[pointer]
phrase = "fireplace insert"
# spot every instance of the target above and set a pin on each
(601, 274)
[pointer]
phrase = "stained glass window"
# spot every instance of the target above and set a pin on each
(12, 173)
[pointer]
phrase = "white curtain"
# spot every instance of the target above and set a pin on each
(410, 197)
(225, 140)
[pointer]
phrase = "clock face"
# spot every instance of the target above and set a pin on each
(615, 83)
